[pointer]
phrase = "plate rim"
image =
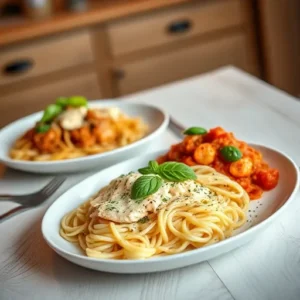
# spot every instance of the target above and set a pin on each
(162, 126)
(181, 255)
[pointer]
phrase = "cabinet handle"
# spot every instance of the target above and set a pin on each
(18, 67)
(119, 74)
(179, 27)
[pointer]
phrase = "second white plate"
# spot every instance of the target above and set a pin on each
(156, 119)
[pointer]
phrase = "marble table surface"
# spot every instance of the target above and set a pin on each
(266, 268)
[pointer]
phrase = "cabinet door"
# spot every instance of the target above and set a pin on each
(179, 64)
(33, 59)
(280, 25)
(171, 25)
(35, 98)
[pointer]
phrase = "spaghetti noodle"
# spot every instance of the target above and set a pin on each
(183, 224)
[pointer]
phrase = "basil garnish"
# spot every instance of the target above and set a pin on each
(145, 186)
(152, 168)
(41, 128)
(155, 174)
(230, 153)
(174, 171)
(195, 131)
(153, 165)
(51, 111)
(146, 171)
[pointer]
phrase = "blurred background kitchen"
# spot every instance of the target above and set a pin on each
(110, 48)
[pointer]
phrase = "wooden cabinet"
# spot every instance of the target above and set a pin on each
(126, 54)
(280, 26)
(167, 26)
(173, 44)
(122, 47)
(44, 56)
(179, 64)
(60, 65)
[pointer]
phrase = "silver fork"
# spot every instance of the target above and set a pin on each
(176, 128)
(31, 200)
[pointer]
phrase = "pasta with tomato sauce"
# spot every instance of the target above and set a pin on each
(70, 129)
(221, 150)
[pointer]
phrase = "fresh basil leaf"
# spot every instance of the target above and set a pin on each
(51, 111)
(230, 153)
(154, 166)
(42, 128)
(145, 171)
(174, 171)
(77, 101)
(145, 186)
(195, 131)
(62, 101)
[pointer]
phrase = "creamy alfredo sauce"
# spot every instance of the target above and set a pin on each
(113, 202)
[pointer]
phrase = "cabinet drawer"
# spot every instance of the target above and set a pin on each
(173, 24)
(22, 103)
(44, 56)
(180, 64)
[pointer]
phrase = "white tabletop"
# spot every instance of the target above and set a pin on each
(266, 268)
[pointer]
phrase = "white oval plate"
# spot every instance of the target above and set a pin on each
(156, 119)
(263, 212)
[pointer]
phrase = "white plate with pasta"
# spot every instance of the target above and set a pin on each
(111, 131)
(205, 218)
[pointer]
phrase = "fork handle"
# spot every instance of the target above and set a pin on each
(10, 198)
(176, 128)
(6, 197)
(11, 213)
